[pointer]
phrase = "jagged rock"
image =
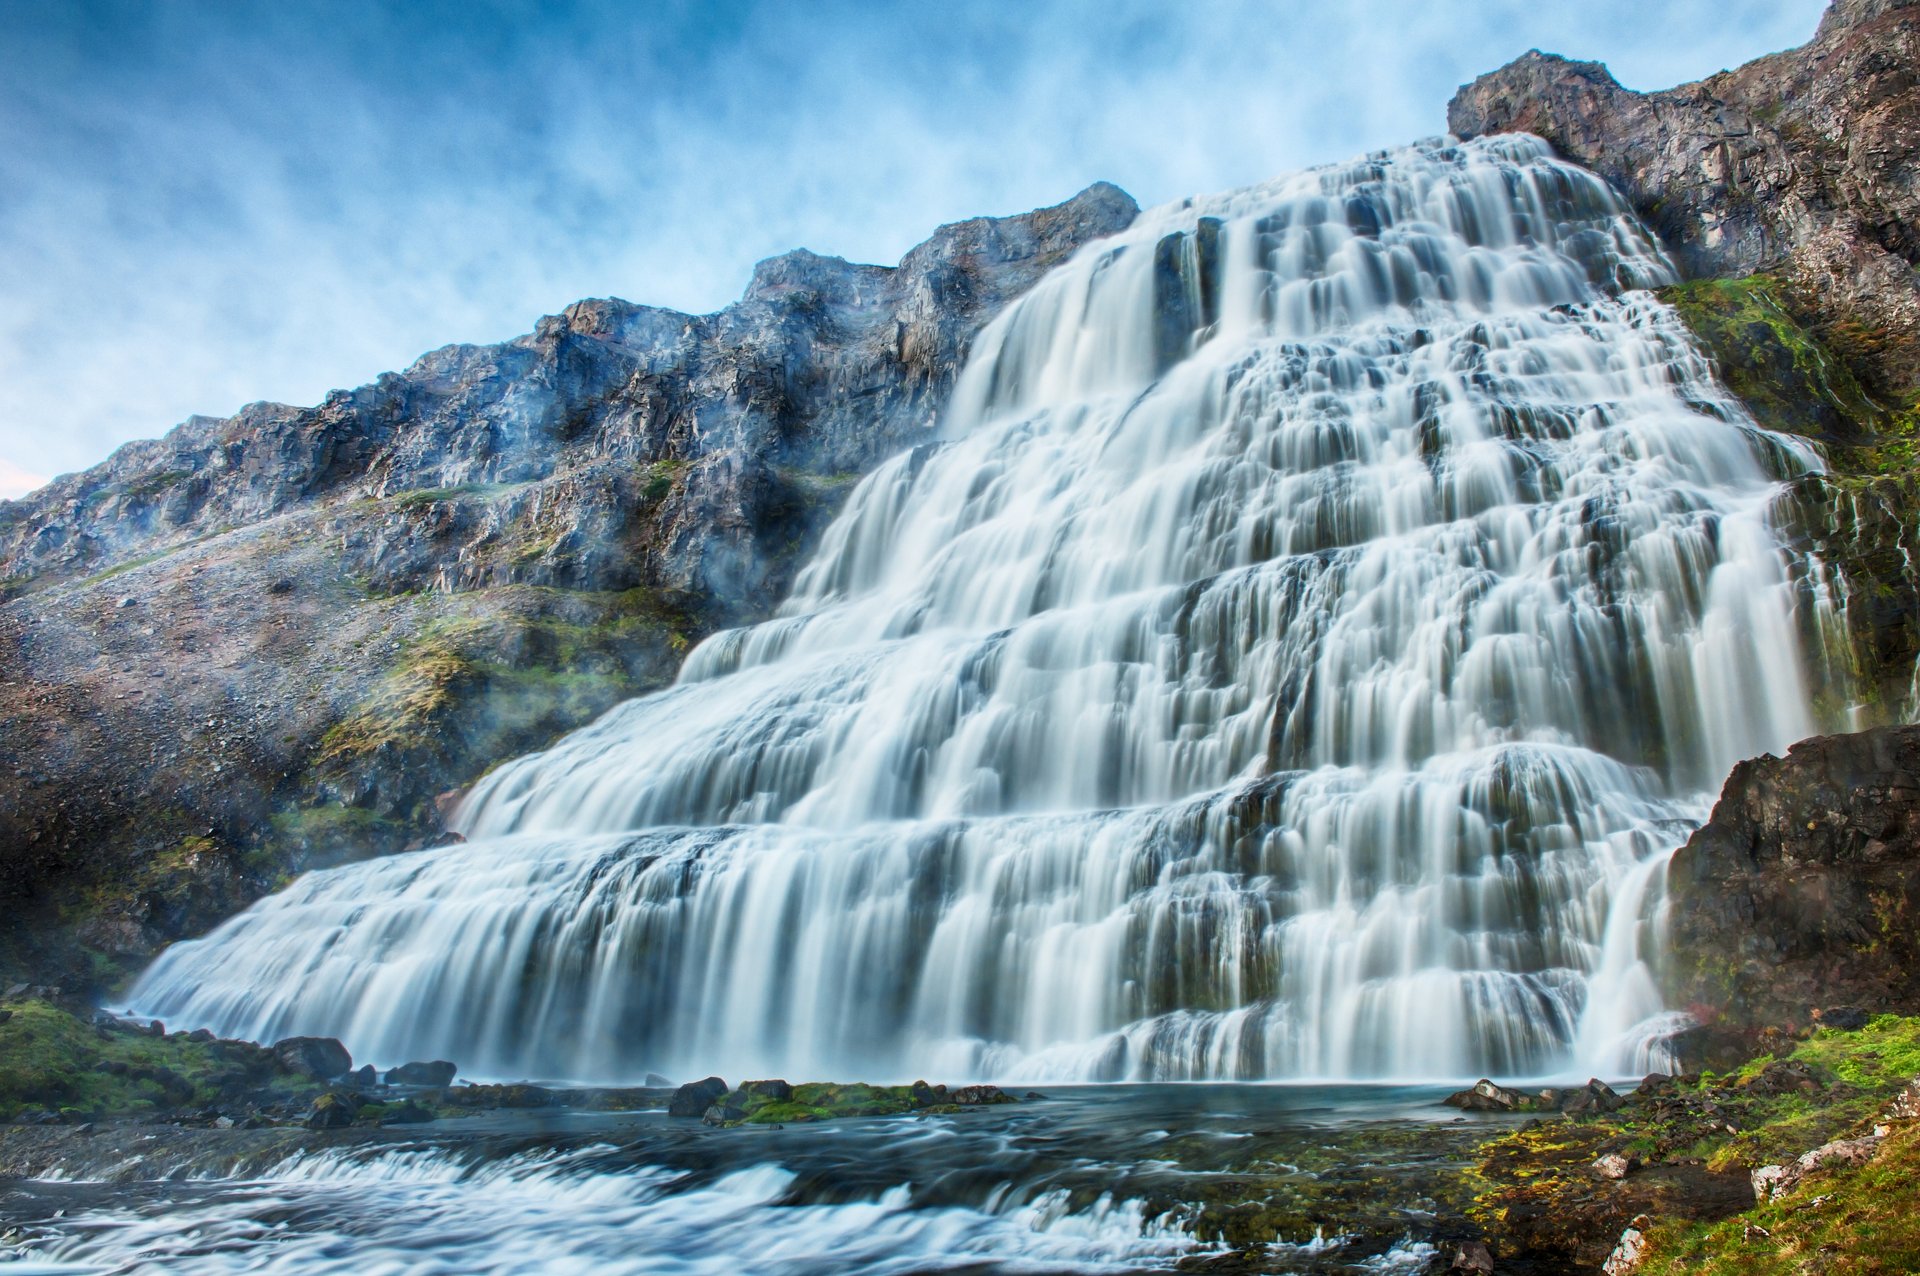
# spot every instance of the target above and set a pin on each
(439, 1072)
(1803, 888)
(695, 1097)
(655, 1081)
(321, 1058)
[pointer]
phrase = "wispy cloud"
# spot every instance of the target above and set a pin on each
(205, 205)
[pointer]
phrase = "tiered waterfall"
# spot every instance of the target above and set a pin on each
(1322, 611)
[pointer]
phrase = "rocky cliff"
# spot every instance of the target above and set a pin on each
(269, 641)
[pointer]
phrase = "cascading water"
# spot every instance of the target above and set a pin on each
(1328, 605)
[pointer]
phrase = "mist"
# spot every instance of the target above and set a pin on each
(206, 206)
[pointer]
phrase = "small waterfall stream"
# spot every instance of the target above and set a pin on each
(1326, 607)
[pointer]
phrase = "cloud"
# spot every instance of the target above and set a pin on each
(205, 205)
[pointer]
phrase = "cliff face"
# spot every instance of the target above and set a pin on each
(265, 642)
(1803, 889)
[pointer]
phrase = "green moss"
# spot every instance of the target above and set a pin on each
(1866, 1224)
(54, 1060)
(662, 476)
(1788, 377)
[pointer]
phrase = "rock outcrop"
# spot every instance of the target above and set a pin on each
(1803, 889)
(272, 641)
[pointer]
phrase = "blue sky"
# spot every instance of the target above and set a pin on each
(205, 204)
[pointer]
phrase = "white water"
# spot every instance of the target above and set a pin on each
(1328, 606)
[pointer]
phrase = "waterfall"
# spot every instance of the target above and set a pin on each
(1326, 606)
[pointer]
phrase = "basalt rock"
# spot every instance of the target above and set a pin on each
(268, 642)
(1803, 888)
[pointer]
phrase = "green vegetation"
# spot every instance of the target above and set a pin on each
(156, 483)
(1851, 1221)
(1700, 1136)
(54, 1060)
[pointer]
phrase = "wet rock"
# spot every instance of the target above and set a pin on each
(695, 1097)
(775, 1091)
(1594, 1097)
(365, 1077)
(330, 1112)
(438, 1072)
(200, 1035)
(321, 1058)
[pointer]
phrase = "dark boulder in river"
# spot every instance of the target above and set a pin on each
(695, 1097)
(321, 1058)
(437, 1073)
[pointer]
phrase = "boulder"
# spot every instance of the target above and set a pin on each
(1844, 1018)
(980, 1095)
(1615, 1165)
(657, 1082)
(1904, 1106)
(1770, 1181)
(695, 1097)
(774, 1091)
(1595, 1096)
(1786, 1076)
(364, 1076)
(331, 1112)
(321, 1058)
(439, 1072)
